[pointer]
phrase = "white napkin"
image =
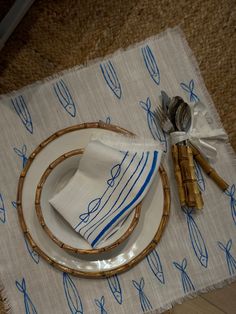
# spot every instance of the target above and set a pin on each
(114, 174)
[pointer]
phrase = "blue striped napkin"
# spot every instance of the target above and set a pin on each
(114, 174)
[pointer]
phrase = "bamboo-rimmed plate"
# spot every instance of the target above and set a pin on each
(55, 177)
(152, 221)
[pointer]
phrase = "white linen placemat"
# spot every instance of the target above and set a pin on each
(113, 176)
(197, 251)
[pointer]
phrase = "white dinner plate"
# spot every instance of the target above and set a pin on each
(153, 218)
(55, 178)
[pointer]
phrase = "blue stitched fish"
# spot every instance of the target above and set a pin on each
(231, 192)
(114, 285)
(185, 279)
(100, 304)
(72, 296)
(231, 262)
(151, 64)
(197, 241)
(64, 96)
(2, 210)
(154, 263)
(29, 306)
(22, 154)
(31, 251)
(22, 111)
(189, 88)
(111, 78)
(144, 301)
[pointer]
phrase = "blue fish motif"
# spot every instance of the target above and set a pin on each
(115, 172)
(22, 154)
(231, 192)
(94, 205)
(151, 64)
(199, 176)
(22, 111)
(144, 301)
(154, 263)
(31, 251)
(100, 304)
(189, 88)
(185, 279)
(29, 306)
(114, 285)
(92, 208)
(65, 98)
(108, 120)
(72, 296)
(14, 204)
(2, 210)
(110, 76)
(196, 238)
(155, 129)
(231, 262)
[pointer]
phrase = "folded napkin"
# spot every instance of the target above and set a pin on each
(114, 174)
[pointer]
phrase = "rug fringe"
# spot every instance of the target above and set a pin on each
(4, 300)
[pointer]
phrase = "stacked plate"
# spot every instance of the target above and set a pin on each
(48, 170)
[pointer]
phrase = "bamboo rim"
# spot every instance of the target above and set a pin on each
(61, 244)
(76, 272)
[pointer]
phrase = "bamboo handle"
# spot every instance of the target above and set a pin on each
(209, 170)
(192, 193)
(178, 175)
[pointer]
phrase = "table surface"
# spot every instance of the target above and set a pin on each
(55, 36)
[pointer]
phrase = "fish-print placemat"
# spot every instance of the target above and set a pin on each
(197, 251)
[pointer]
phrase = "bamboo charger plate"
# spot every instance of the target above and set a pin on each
(153, 218)
(55, 177)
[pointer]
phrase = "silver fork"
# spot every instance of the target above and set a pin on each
(163, 119)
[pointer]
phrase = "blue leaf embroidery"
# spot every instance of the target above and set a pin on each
(230, 192)
(110, 76)
(64, 96)
(231, 262)
(2, 210)
(155, 129)
(199, 176)
(185, 279)
(154, 263)
(22, 154)
(100, 304)
(72, 296)
(114, 285)
(151, 64)
(189, 88)
(29, 306)
(144, 301)
(196, 238)
(22, 111)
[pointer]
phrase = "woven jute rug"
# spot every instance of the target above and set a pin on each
(56, 35)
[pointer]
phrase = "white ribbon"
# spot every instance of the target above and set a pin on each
(200, 131)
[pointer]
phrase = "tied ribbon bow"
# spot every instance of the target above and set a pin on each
(200, 131)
